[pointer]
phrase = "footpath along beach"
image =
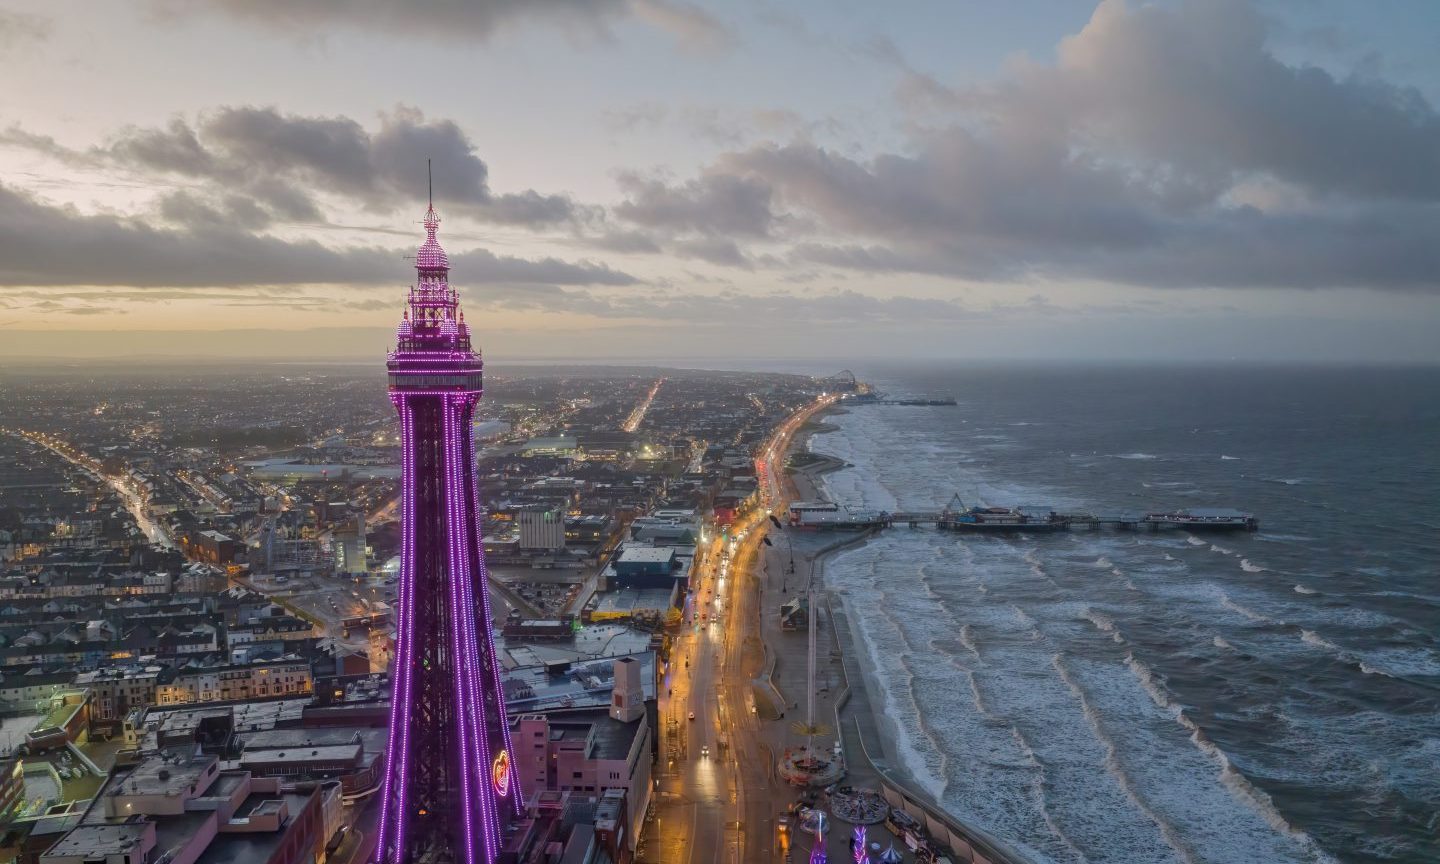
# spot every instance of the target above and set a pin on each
(847, 699)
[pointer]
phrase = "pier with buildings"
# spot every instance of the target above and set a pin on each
(955, 516)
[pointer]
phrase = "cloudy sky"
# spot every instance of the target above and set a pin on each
(689, 179)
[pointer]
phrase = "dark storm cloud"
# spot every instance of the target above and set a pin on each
(716, 250)
(483, 266)
(1166, 146)
(627, 242)
(187, 210)
(780, 309)
(175, 149)
(44, 245)
(274, 157)
(717, 203)
(440, 19)
(1196, 89)
(459, 20)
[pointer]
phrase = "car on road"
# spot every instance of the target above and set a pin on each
(692, 715)
(704, 751)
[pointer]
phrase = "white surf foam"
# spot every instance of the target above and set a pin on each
(1249, 567)
(1246, 611)
(1310, 637)
(1116, 768)
(967, 639)
(1015, 757)
(1302, 589)
(1195, 788)
(1105, 624)
(1407, 663)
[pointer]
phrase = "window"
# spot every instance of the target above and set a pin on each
(579, 774)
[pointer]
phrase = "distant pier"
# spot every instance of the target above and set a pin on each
(913, 402)
(874, 398)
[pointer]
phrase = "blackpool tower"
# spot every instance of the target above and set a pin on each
(450, 785)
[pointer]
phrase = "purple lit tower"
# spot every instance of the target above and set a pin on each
(450, 782)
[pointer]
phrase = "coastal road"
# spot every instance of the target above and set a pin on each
(719, 798)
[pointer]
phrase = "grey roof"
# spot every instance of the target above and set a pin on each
(647, 554)
(159, 776)
(587, 684)
(319, 753)
(610, 739)
(95, 840)
(246, 847)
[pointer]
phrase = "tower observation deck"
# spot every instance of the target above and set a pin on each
(450, 781)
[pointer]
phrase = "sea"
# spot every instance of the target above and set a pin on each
(1160, 697)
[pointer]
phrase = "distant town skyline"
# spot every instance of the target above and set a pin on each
(701, 180)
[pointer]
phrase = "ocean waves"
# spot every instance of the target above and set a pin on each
(1116, 697)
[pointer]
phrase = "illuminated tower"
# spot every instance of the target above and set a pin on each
(449, 782)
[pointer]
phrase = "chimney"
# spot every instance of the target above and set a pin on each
(627, 702)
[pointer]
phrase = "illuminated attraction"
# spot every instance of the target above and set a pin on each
(449, 787)
(857, 846)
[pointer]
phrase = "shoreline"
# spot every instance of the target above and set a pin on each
(810, 487)
(859, 709)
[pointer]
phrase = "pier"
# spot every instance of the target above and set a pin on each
(825, 515)
(944, 401)
(1233, 520)
(873, 398)
(1041, 520)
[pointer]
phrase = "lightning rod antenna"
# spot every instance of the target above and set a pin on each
(429, 184)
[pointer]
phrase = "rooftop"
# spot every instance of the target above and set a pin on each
(163, 776)
(318, 753)
(245, 847)
(610, 739)
(646, 554)
(582, 685)
(88, 841)
(632, 599)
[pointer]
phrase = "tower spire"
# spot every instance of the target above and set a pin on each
(450, 787)
(430, 184)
